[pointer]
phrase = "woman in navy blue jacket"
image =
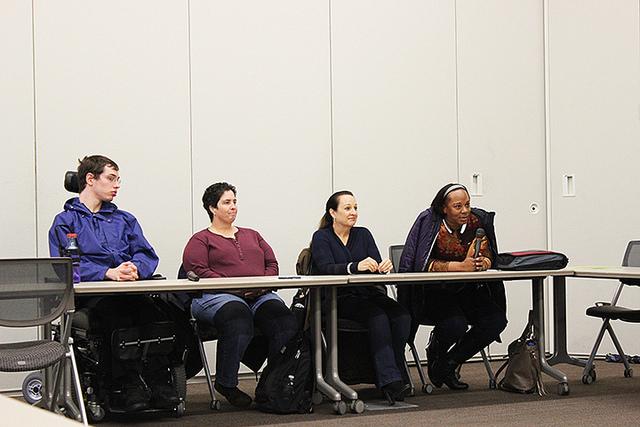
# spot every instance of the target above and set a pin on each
(443, 239)
(339, 247)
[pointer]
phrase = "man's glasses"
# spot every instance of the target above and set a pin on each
(113, 179)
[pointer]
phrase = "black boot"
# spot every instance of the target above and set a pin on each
(433, 350)
(435, 355)
(453, 382)
(234, 395)
(444, 372)
(395, 391)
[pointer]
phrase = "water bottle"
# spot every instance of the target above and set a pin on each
(73, 251)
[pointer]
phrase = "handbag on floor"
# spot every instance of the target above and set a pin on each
(531, 260)
(523, 372)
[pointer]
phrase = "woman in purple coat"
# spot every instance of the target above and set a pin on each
(442, 239)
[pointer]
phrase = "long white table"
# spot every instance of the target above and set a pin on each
(330, 384)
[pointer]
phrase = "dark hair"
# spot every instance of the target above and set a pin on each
(441, 198)
(95, 166)
(332, 203)
(212, 195)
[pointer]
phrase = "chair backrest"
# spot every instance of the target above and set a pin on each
(71, 181)
(395, 252)
(34, 291)
(303, 264)
(632, 254)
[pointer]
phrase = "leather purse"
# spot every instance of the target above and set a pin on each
(523, 369)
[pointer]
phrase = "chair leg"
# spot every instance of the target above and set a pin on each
(589, 365)
(416, 359)
(215, 403)
(408, 373)
(487, 366)
(614, 338)
(78, 387)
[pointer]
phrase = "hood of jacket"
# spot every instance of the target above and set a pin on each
(74, 204)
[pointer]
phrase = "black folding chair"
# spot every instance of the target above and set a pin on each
(609, 311)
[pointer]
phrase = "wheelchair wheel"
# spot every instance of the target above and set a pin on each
(180, 410)
(179, 380)
(32, 388)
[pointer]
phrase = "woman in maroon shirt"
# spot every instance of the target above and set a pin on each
(224, 250)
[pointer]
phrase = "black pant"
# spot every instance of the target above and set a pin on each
(453, 313)
(388, 325)
(235, 324)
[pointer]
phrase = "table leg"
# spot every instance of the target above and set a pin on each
(316, 325)
(537, 288)
(332, 349)
(560, 354)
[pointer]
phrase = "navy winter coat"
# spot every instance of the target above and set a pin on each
(415, 256)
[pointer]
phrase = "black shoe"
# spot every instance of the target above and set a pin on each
(441, 370)
(453, 382)
(136, 398)
(164, 396)
(395, 391)
(234, 395)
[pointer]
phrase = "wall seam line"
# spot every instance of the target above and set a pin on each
(331, 145)
(457, 94)
(189, 76)
(35, 131)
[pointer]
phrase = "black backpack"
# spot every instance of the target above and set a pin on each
(286, 383)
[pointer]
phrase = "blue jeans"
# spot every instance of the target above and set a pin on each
(235, 319)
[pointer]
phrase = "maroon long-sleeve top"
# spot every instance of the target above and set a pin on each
(210, 255)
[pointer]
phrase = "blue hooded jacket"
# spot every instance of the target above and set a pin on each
(106, 239)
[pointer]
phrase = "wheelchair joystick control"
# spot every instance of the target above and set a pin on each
(193, 277)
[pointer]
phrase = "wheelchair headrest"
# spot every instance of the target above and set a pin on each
(71, 181)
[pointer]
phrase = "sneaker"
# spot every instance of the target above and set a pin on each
(234, 396)
(164, 396)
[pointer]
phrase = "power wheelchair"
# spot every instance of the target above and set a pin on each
(139, 346)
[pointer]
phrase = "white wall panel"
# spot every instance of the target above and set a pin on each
(394, 125)
(16, 131)
(501, 127)
(594, 61)
(112, 79)
(18, 219)
(261, 115)
(394, 120)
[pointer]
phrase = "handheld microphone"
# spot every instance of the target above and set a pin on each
(193, 277)
(478, 242)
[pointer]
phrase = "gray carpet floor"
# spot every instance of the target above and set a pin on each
(611, 400)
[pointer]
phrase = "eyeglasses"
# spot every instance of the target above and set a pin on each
(113, 179)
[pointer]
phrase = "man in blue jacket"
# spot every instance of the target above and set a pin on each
(113, 247)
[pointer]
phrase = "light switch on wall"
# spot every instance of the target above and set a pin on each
(476, 184)
(568, 185)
